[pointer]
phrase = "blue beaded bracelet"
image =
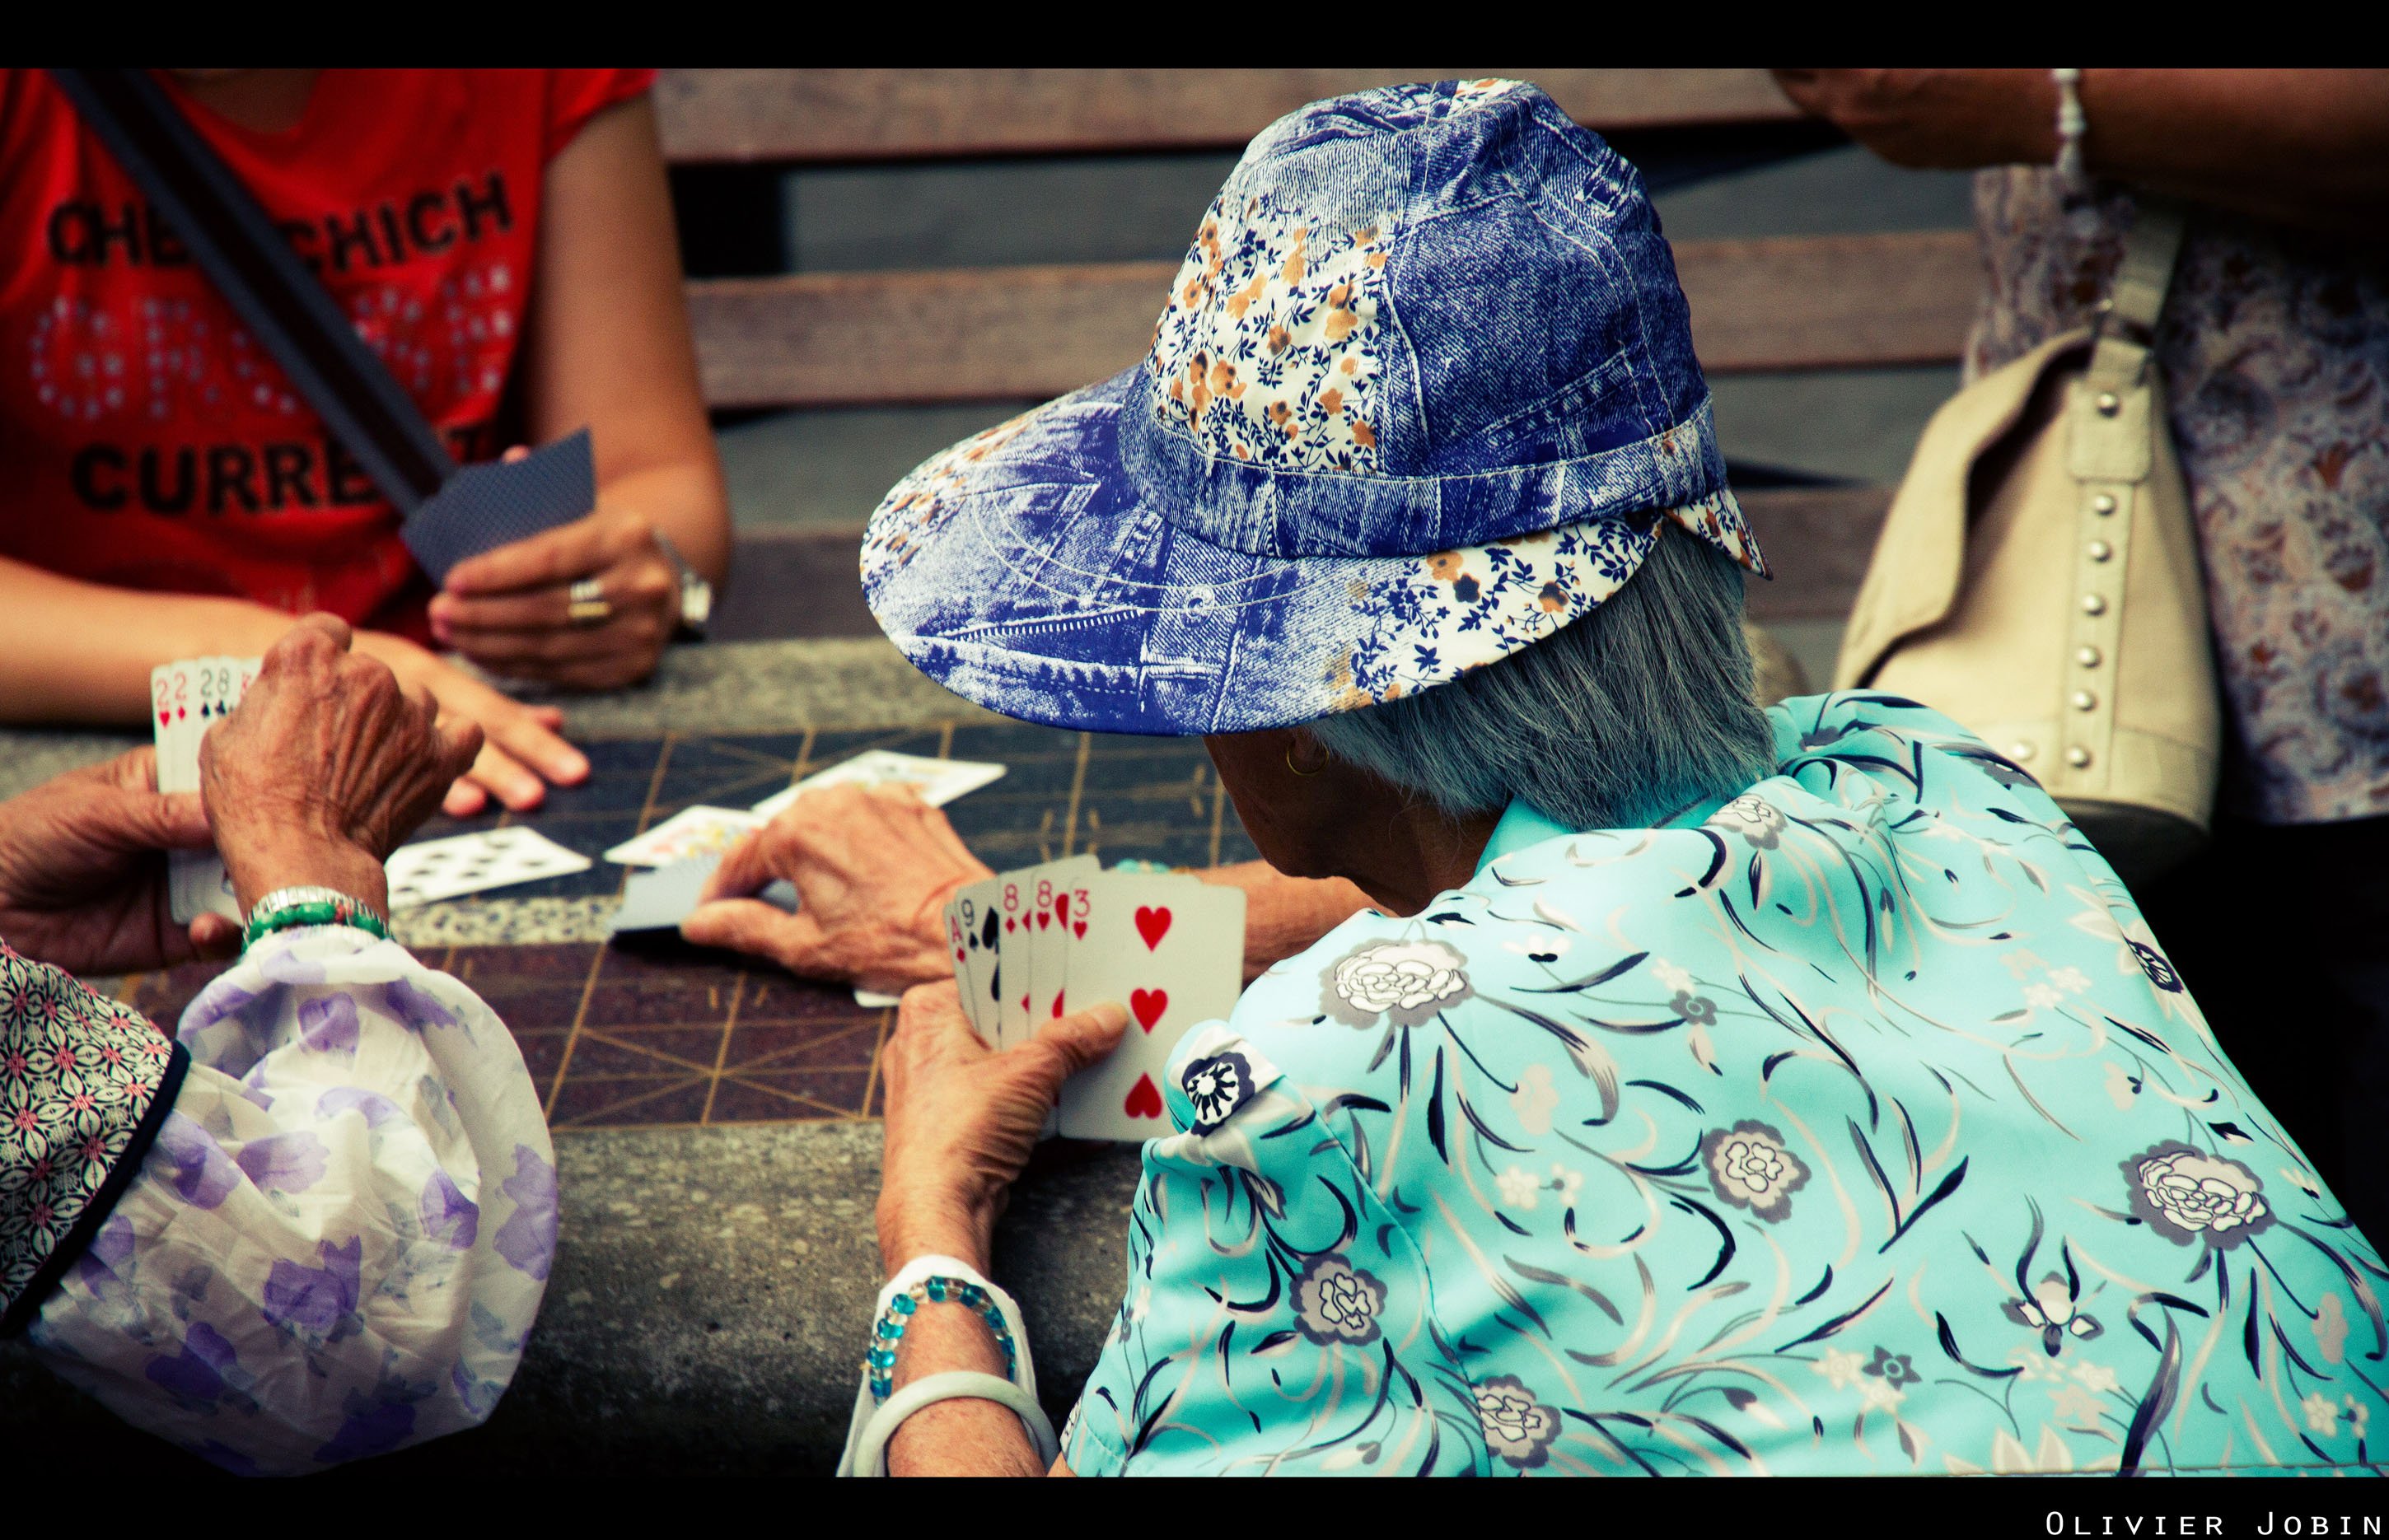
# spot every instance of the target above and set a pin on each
(879, 1364)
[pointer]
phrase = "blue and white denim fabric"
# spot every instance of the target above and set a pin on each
(1855, 1126)
(339, 1238)
(1424, 392)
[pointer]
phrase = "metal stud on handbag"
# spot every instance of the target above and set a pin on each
(2037, 579)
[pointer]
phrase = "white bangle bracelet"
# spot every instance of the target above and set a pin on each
(875, 1423)
(867, 1453)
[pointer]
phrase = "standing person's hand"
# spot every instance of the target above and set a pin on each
(520, 752)
(873, 868)
(82, 871)
(324, 767)
(512, 610)
(1957, 118)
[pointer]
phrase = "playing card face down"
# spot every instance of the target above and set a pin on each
(1170, 949)
(938, 782)
(686, 835)
(450, 868)
(487, 505)
(657, 901)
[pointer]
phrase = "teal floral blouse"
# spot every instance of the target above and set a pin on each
(1855, 1126)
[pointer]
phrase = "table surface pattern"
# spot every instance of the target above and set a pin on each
(669, 1035)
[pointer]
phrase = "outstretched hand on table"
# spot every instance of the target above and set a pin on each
(873, 868)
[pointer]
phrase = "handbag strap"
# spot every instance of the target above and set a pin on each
(235, 244)
(2128, 323)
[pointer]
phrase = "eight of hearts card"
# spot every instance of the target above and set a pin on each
(1171, 950)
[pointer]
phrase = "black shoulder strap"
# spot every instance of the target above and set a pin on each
(250, 265)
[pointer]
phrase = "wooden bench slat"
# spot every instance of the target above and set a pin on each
(1017, 333)
(833, 115)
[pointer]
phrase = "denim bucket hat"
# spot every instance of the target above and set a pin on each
(1423, 393)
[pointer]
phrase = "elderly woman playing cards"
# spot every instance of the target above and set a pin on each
(314, 1222)
(1712, 1089)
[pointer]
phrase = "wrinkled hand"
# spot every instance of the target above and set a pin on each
(963, 1118)
(509, 609)
(1956, 118)
(82, 871)
(873, 868)
(326, 766)
(520, 752)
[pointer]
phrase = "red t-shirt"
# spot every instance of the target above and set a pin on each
(147, 441)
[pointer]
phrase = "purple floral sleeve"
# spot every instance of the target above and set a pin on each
(339, 1238)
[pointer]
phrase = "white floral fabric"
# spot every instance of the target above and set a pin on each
(1269, 349)
(1855, 1126)
(2275, 356)
(339, 1239)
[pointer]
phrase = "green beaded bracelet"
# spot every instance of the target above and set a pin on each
(290, 907)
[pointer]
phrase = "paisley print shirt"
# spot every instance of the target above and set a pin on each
(1855, 1126)
(339, 1236)
(2275, 353)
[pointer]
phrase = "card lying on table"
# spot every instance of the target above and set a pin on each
(451, 867)
(686, 835)
(660, 900)
(1033, 945)
(937, 780)
(654, 903)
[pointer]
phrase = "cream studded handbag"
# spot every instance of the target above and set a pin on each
(2037, 579)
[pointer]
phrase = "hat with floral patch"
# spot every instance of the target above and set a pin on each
(1423, 393)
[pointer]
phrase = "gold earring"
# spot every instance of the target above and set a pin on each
(1298, 769)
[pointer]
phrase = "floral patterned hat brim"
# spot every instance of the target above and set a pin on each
(1023, 570)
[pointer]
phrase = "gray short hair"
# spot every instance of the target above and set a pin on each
(1634, 712)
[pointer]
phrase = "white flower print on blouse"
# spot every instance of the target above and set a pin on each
(1748, 1167)
(1518, 1188)
(2187, 1196)
(1517, 1427)
(1335, 1302)
(1406, 982)
(1754, 819)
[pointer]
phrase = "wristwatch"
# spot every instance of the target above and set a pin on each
(695, 593)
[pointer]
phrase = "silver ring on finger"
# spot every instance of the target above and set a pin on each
(585, 603)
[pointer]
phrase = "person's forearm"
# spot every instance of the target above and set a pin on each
(961, 1437)
(81, 652)
(685, 501)
(2299, 146)
(1285, 916)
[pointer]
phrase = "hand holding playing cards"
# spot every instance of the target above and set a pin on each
(81, 883)
(873, 868)
(964, 1118)
(510, 610)
(324, 767)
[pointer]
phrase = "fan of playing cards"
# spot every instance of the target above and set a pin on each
(1030, 946)
(188, 698)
